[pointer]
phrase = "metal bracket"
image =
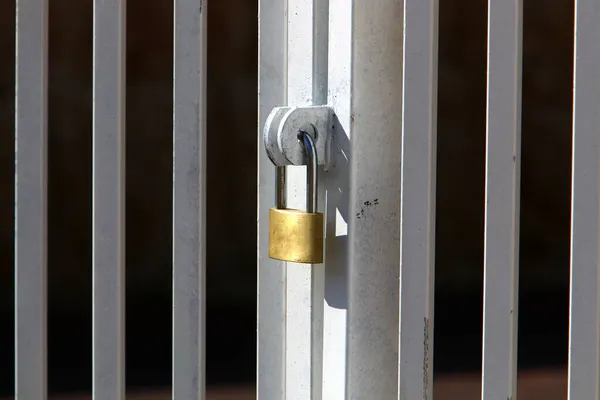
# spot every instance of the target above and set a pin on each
(280, 134)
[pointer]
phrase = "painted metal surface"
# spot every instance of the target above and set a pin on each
(336, 184)
(108, 207)
(306, 86)
(503, 158)
(31, 171)
(584, 314)
(374, 217)
(417, 209)
(189, 200)
(271, 273)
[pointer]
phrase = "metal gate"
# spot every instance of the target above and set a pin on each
(360, 325)
(189, 176)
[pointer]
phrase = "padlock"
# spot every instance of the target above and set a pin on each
(296, 235)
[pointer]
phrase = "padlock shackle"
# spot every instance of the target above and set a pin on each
(312, 166)
(280, 185)
(311, 171)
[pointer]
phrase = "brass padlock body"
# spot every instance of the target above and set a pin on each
(296, 236)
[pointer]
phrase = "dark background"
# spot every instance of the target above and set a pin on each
(232, 141)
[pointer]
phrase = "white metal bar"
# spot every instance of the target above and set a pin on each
(306, 85)
(189, 200)
(584, 331)
(31, 199)
(271, 279)
(108, 200)
(335, 181)
(374, 218)
(417, 210)
(503, 155)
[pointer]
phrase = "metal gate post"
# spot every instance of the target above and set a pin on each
(584, 313)
(374, 216)
(417, 212)
(189, 199)
(293, 71)
(306, 85)
(31, 177)
(351, 303)
(108, 204)
(337, 185)
(271, 273)
(502, 198)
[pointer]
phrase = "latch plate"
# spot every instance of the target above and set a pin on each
(280, 134)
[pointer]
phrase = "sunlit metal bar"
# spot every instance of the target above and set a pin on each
(503, 157)
(272, 93)
(189, 200)
(109, 200)
(374, 217)
(584, 331)
(31, 199)
(417, 212)
(306, 85)
(335, 183)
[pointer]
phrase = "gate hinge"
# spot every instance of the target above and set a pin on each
(280, 134)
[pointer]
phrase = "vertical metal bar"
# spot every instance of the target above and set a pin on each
(31, 199)
(280, 182)
(189, 200)
(108, 200)
(336, 183)
(374, 226)
(503, 155)
(306, 85)
(417, 211)
(584, 331)
(272, 93)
